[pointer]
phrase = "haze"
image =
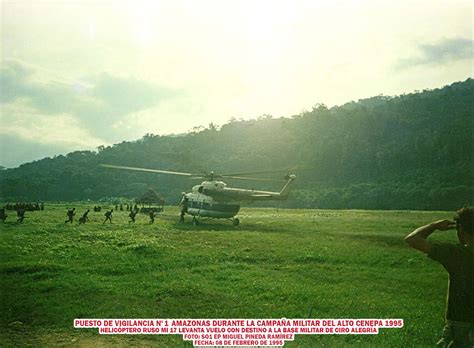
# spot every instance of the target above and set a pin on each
(76, 75)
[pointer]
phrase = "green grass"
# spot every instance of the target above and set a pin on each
(338, 264)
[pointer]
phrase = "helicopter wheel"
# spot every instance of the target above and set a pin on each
(236, 222)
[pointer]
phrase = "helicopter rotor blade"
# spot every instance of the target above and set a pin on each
(209, 176)
(217, 176)
(147, 170)
(261, 172)
(251, 178)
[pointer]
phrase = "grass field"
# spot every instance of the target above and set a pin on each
(338, 264)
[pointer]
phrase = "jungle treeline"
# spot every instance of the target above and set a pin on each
(413, 151)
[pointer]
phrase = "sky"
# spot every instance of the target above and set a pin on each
(75, 75)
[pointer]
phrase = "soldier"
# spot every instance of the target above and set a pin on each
(458, 261)
(21, 214)
(108, 216)
(152, 216)
(183, 208)
(84, 217)
(70, 215)
(3, 215)
(132, 216)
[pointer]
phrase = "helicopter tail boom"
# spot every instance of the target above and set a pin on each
(287, 188)
(282, 195)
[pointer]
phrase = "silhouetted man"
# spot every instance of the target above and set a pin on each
(84, 217)
(132, 216)
(152, 216)
(108, 216)
(70, 215)
(20, 213)
(3, 215)
(458, 260)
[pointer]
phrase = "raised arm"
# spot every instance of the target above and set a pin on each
(418, 238)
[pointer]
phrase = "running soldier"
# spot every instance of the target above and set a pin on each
(3, 215)
(70, 215)
(20, 213)
(132, 216)
(108, 216)
(84, 217)
(152, 216)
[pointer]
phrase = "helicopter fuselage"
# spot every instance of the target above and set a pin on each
(215, 200)
(202, 205)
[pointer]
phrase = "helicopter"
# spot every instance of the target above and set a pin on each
(213, 198)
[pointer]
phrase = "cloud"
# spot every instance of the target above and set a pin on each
(15, 150)
(13, 77)
(100, 103)
(128, 95)
(441, 52)
(22, 121)
(151, 119)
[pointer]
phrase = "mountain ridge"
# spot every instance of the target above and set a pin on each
(412, 151)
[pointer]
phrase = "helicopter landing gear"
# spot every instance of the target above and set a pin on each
(236, 222)
(195, 221)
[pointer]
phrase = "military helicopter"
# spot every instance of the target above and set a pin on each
(213, 199)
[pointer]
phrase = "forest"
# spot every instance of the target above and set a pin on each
(412, 151)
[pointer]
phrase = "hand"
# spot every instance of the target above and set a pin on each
(444, 225)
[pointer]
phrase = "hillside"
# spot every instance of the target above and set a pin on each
(412, 151)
